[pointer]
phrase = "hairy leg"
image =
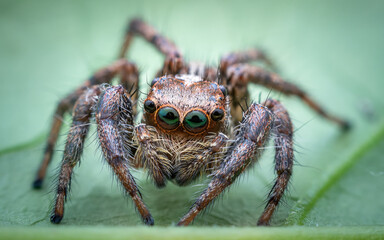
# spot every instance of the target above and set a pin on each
(246, 149)
(239, 75)
(129, 77)
(283, 131)
(115, 126)
(65, 105)
(247, 56)
(140, 28)
(239, 94)
(73, 148)
(173, 63)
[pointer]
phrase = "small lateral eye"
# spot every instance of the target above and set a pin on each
(217, 114)
(149, 106)
(195, 121)
(154, 81)
(169, 118)
(223, 90)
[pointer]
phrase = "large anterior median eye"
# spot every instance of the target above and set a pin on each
(195, 121)
(169, 118)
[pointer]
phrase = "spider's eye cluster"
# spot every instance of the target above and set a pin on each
(195, 121)
(168, 118)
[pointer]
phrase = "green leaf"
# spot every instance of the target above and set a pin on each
(332, 49)
(348, 194)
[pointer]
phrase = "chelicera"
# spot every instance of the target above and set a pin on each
(193, 125)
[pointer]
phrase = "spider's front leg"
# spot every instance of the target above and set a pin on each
(115, 129)
(129, 77)
(256, 126)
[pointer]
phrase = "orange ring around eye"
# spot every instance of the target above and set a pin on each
(162, 123)
(197, 130)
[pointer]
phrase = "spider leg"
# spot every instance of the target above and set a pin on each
(283, 132)
(65, 105)
(239, 93)
(140, 28)
(73, 148)
(243, 57)
(250, 139)
(115, 129)
(173, 63)
(128, 73)
(129, 77)
(239, 75)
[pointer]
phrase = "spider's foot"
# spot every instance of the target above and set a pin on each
(264, 221)
(56, 219)
(148, 220)
(262, 224)
(183, 222)
(346, 126)
(179, 224)
(38, 183)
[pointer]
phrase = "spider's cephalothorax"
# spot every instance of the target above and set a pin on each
(187, 126)
(181, 113)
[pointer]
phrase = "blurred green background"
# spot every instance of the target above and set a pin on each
(332, 49)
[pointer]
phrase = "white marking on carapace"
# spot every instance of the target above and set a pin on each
(189, 79)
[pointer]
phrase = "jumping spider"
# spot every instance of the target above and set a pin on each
(186, 131)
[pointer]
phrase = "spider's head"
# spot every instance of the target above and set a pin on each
(186, 104)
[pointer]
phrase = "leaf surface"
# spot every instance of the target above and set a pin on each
(332, 49)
